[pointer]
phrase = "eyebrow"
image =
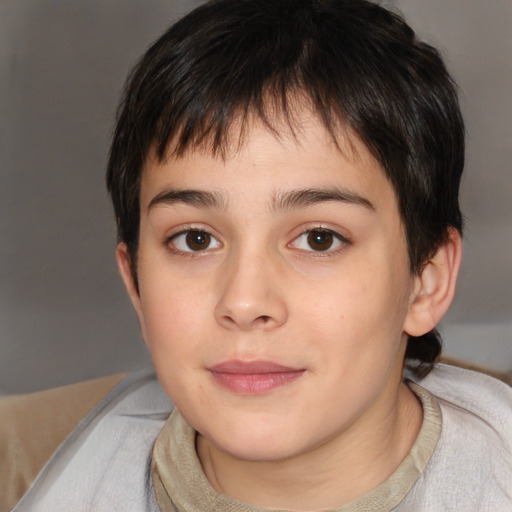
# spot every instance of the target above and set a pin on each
(198, 198)
(281, 201)
(308, 197)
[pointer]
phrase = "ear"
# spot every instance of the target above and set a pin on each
(125, 269)
(434, 288)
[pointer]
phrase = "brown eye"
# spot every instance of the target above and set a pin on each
(320, 240)
(197, 240)
(194, 240)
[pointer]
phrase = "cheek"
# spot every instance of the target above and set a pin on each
(357, 313)
(172, 311)
(175, 326)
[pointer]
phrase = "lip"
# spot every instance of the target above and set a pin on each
(253, 377)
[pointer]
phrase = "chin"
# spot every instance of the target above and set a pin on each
(258, 451)
(257, 444)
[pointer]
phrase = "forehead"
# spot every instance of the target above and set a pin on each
(263, 158)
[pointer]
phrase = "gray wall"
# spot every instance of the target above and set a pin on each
(64, 316)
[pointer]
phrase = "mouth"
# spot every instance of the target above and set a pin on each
(253, 377)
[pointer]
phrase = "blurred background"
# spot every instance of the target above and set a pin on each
(64, 316)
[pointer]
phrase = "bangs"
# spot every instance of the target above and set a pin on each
(222, 132)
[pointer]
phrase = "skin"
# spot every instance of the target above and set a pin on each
(257, 289)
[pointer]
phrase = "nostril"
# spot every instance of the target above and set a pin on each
(228, 319)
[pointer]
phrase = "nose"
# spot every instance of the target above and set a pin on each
(251, 297)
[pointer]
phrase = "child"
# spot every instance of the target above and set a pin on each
(285, 179)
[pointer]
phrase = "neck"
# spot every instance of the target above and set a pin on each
(328, 476)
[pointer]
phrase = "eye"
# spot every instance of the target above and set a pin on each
(194, 240)
(319, 240)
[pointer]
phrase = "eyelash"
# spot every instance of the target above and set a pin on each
(170, 242)
(343, 242)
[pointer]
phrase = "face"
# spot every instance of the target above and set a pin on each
(273, 290)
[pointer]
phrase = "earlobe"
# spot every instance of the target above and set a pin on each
(125, 269)
(434, 288)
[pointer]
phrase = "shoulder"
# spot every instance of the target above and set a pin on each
(480, 395)
(472, 463)
(33, 425)
(475, 407)
(105, 462)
